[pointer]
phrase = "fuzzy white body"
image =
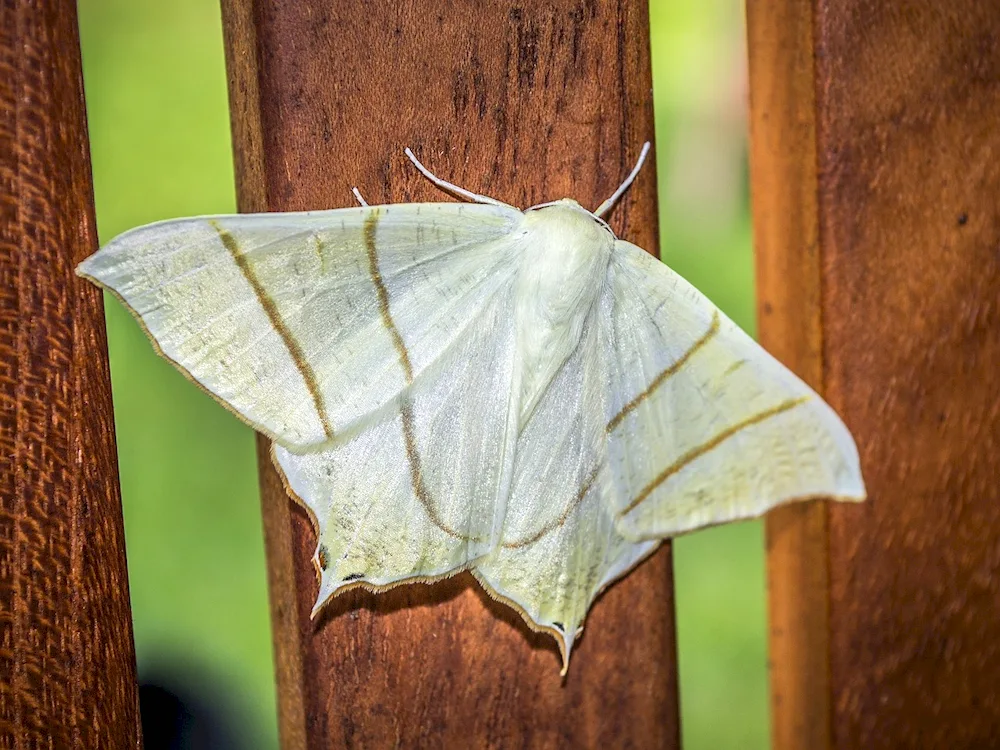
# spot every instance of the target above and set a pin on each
(559, 282)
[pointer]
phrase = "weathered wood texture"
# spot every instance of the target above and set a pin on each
(67, 664)
(525, 102)
(875, 179)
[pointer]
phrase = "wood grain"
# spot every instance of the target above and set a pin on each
(67, 663)
(783, 179)
(526, 103)
(906, 615)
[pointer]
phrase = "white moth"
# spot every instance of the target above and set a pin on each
(454, 386)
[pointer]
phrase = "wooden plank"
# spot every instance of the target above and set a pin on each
(786, 240)
(526, 103)
(66, 654)
(907, 231)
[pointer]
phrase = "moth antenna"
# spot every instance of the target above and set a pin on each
(451, 188)
(357, 194)
(610, 202)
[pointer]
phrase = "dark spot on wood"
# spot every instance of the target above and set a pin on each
(478, 86)
(527, 56)
(459, 92)
(963, 219)
(527, 36)
(576, 17)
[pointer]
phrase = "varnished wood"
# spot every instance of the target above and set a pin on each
(67, 662)
(526, 103)
(897, 261)
(787, 254)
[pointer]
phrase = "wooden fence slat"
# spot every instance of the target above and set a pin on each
(524, 102)
(786, 240)
(877, 229)
(67, 662)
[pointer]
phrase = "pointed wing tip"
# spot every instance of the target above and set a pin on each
(852, 489)
(565, 643)
(853, 496)
(565, 647)
(83, 269)
(321, 599)
(327, 589)
(90, 272)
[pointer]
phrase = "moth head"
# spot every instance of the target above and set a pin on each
(570, 212)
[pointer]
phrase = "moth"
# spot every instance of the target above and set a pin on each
(454, 386)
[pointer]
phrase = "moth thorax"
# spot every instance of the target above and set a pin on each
(566, 255)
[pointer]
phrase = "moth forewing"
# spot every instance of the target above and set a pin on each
(709, 427)
(280, 316)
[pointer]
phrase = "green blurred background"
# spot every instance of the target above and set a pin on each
(159, 130)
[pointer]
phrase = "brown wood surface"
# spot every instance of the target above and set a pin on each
(786, 240)
(67, 663)
(876, 171)
(525, 102)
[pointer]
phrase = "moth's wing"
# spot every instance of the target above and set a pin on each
(560, 544)
(706, 426)
(418, 494)
(304, 324)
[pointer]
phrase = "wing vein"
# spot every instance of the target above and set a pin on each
(417, 478)
(563, 517)
(274, 316)
(707, 446)
(660, 379)
(409, 437)
(371, 221)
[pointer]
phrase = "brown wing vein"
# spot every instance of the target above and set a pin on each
(660, 379)
(409, 439)
(278, 323)
(707, 446)
(383, 296)
(557, 522)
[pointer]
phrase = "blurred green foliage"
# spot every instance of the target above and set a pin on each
(159, 129)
